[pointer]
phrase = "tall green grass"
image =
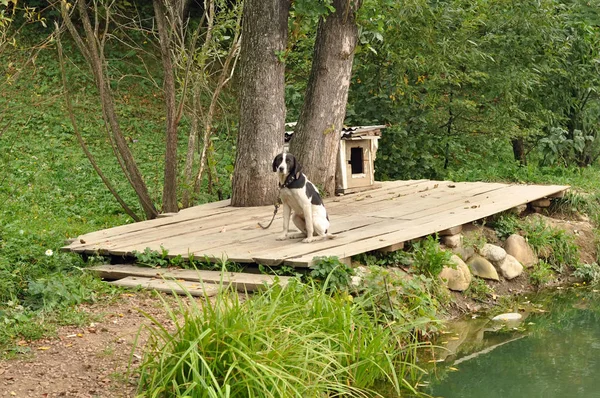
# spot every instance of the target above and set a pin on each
(296, 341)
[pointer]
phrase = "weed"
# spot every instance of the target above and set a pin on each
(152, 258)
(553, 245)
(505, 225)
(331, 273)
(540, 274)
(479, 290)
(429, 258)
(284, 270)
(588, 273)
(398, 258)
(402, 297)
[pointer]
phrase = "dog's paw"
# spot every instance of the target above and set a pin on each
(308, 240)
(282, 237)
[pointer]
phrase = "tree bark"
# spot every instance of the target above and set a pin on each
(262, 106)
(519, 151)
(317, 134)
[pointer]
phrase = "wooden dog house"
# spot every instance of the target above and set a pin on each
(356, 158)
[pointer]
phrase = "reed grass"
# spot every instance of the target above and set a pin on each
(296, 341)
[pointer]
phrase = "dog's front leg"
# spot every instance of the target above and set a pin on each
(287, 212)
(308, 219)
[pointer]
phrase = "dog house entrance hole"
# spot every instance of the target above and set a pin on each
(356, 160)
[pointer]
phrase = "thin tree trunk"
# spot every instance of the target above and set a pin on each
(92, 51)
(317, 134)
(169, 197)
(262, 106)
(82, 143)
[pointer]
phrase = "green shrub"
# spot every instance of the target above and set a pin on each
(331, 273)
(540, 274)
(406, 298)
(429, 258)
(588, 273)
(553, 245)
(479, 290)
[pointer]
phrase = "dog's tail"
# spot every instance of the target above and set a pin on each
(330, 236)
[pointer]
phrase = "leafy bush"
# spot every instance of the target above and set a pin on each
(541, 274)
(479, 290)
(555, 246)
(589, 273)
(284, 342)
(429, 258)
(331, 273)
(409, 299)
(398, 258)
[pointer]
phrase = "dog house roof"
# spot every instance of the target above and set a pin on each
(346, 132)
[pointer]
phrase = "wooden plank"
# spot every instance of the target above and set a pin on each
(485, 207)
(154, 228)
(168, 286)
(241, 280)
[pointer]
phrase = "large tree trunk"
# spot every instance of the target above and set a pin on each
(262, 105)
(317, 134)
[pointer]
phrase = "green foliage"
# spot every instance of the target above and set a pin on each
(283, 342)
(553, 245)
(540, 274)
(479, 290)
(406, 298)
(505, 225)
(152, 258)
(588, 273)
(331, 273)
(429, 258)
(398, 258)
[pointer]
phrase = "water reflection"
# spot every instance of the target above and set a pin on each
(556, 355)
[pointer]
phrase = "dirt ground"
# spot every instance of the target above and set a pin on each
(85, 362)
(94, 361)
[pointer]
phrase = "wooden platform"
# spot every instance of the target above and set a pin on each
(184, 281)
(396, 212)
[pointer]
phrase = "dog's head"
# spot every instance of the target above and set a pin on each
(286, 164)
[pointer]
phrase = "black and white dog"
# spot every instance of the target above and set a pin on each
(300, 197)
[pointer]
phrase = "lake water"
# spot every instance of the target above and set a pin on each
(552, 354)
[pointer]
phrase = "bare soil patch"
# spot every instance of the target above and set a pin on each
(85, 362)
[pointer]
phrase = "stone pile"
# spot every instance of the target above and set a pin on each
(488, 262)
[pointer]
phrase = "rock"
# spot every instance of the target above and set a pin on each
(359, 274)
(452, 241)
(538, 209)
(492, 252)
(510, 316)
(451, 231)
(457, 279)
(482, 268)
(518, 247)
(545, 202)
(510, 267)
(517, 210)
(464, 252)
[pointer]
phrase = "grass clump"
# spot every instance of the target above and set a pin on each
(296, 341)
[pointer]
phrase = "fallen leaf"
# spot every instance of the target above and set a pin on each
(453, 369)
(43, 348)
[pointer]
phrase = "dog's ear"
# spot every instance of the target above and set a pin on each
(296, 169)
(276, 162)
